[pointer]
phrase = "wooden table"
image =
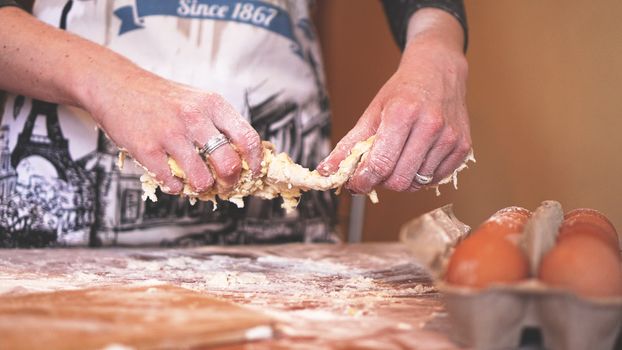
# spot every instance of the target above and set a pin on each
(367, 296)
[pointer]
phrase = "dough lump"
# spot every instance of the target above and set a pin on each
(279, 176)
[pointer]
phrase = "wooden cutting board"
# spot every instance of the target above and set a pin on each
(150, 317)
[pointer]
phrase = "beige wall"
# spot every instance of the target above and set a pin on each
(545, 100)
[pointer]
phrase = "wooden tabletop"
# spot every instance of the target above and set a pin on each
(367, 296)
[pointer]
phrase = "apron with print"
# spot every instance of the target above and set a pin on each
(59, 183)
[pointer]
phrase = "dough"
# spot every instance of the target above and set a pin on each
(280, 176)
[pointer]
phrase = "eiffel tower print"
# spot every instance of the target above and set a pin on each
(52, 147)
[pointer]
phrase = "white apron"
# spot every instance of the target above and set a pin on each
(59, 184)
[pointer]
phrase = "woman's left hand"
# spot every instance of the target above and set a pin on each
(419, 118)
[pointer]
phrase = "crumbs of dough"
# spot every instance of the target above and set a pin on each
(453, 178)
(121, 159)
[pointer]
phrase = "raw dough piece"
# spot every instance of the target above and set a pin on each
(279, 176)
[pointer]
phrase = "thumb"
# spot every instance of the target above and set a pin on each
(331, 163)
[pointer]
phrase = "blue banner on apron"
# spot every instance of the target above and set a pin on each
(255, 13)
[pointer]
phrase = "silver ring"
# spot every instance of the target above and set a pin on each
(423, 179)
(213, 144)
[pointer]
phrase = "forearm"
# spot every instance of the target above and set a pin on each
(47, 63)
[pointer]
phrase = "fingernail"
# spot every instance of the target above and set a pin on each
(174, 188)
(203, 187)
(202, 184)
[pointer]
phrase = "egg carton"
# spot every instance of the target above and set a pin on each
(497, 316)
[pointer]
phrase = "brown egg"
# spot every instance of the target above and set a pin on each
(507, 222)
(513, 211)
(590, 222)
(583, 264)
(484, 258)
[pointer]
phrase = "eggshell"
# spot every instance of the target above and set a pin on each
(506, 222)
(583, 264)
(485, 258)
(513, 211)
(590, 222)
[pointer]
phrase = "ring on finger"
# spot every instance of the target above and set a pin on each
(213, 144)
(423, 179)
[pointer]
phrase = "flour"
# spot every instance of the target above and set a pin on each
(237, 280)
(327, 290)
(308, 266)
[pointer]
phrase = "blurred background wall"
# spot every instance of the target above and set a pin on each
(544, 97)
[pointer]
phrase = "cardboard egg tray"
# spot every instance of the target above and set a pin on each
(495, 317)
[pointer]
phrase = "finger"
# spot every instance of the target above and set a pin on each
(155, 160)
(240, 133)
(361, 131)
(387, 148)
(453, 161)
(417, 146)
(198, 175)
(443, 146)
(224, 161)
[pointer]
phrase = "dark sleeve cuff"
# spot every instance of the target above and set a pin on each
(399, 12)
(4, 3)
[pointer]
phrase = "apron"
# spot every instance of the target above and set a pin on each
(59, 183)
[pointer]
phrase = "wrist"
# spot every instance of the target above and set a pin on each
(432, 26)
(434, 36)
(95, 86)
(85, 70)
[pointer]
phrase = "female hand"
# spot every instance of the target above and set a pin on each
(153, 118)
(419, 117)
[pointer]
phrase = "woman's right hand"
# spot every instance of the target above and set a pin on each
(153, 118)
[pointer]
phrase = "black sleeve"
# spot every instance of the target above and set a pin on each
(7, 3)
(399, 11)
